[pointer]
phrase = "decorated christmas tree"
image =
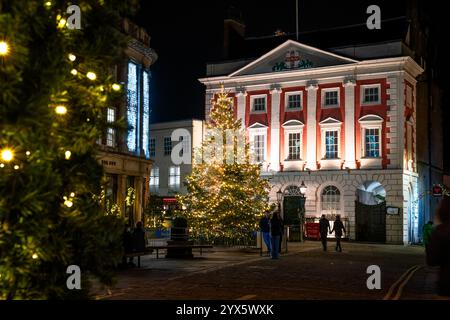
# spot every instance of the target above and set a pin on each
(55, 85)
(226, 194)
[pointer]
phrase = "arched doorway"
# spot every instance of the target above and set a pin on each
(370, 212)
(293, 201)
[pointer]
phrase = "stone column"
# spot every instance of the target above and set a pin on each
(275, 130)
(311, 123)
(241, 95)
(349, 125)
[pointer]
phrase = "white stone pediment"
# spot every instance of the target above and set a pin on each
(257, 125)
(292, 56)
(292, 123)
(330, 122)
(371, 118)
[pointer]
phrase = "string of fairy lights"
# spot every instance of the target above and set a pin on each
(9, 156)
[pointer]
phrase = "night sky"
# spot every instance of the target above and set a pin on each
(188, 34)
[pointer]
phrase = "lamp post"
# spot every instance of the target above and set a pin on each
(302, 208)
(279, 198)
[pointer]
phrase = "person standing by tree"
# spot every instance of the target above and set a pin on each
(324, 228)
(338, 227)
(438, 248)
(264, 225)
(275, 233)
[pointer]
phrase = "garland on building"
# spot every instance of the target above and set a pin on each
(224, 200)
(55, 86)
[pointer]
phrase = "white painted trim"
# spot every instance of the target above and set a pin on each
(252, 102)
(286, 100)
(324, 91)
(362, 94)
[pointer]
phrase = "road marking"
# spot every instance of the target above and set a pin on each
(400, 283)
(247, 297)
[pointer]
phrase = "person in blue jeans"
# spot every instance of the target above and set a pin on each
(275, 233)
(264, 225)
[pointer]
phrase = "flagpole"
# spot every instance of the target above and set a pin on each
(296, 17)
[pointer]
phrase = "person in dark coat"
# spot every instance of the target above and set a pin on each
(139, 238)
(324, 228)
(264, 225)
(338, 227)
(275, 233)
(127, 240)
(438, 248)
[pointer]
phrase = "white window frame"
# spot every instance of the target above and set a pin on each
(286, 98)
(324, 91)
(363, 94)
(252, 101)
(110, 131)
(154, 180)
(152, 143)
(176, 176)
(370, 122)
(167, 138)
(292, 126)
(258, 130)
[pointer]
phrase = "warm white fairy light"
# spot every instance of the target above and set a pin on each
(67, 154)
(74, 72)
(91, 75)
(61, 110)
(72, 57)
(4, 48)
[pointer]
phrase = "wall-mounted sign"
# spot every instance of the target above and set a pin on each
(393, 210)
(292, 61)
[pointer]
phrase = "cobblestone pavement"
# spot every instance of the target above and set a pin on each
(305, 272)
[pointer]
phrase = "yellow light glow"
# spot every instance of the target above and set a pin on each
(4, 48)
(48, 3)
(62, 23)
(28, 153)
(72, 57)
(7, 155)
(16, 167)
(67, 154)
(74, 72)
(72, 194)
(34, 256)
(2, 165)
(91, 75)
(116, 87)
(61, 110)
(68, 203)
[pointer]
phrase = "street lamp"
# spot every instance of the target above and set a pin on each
(302, 208)
(279, 198)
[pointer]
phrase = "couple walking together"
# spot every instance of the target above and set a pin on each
(272, 232)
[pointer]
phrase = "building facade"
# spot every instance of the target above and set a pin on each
(344, 127)
(125, 156)
(167, 174)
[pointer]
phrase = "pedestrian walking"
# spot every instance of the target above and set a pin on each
(426, 231)
(338, 227)
(275, 233)
(324, 228)
(438, 248)
(264, 226)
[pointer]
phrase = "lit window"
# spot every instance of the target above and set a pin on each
(331, 144)
(372, 143)
(111, 132)
(259, 104)
(167, 146)
(174, 177)
(331, 98)
(331, 198)
(133, 106)
(259, 147)
(152, 147)
(371, 95)
(294, 146)
(294, 101)
(146, 114)
(154, 179)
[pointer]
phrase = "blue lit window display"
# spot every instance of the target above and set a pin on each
(133, 106)
(146, 115)
(372, 143)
